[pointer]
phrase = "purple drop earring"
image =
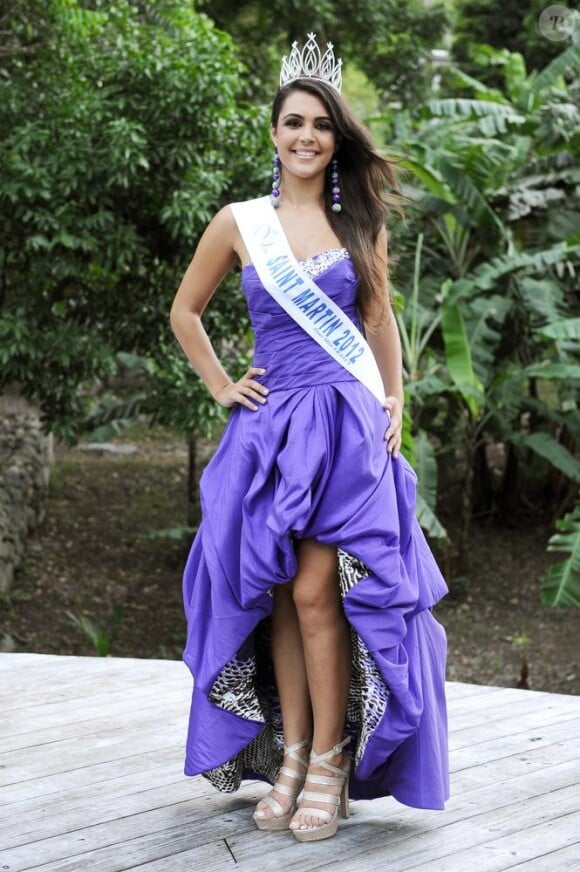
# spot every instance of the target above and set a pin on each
(275, 195)
(336, 204)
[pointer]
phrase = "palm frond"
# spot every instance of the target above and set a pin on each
(547, 370)
(482, 320)
(561, 586)
(463, 108)
(467, 192)
(552, 451)
(569, 328)
(543, 298)
(458, 354)
(454, 75)
(486, 275)
(429, 521)
(429, 177)
(426, 469)
(569, 59)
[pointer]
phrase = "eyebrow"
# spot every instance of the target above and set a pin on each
(298, 115)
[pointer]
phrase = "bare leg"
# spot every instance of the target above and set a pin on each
(292, 684)
(327, 654)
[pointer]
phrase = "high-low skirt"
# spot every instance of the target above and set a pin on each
(312, 463)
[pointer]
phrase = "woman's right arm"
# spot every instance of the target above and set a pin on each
(214, 257)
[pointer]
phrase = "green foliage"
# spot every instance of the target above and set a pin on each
(100, 632)
(509, 28)
(496, 213)
(458, 353)
(555, 453)
(561, 586)
(426, 469)
(124, 127)
(389, 41)
(122, 133)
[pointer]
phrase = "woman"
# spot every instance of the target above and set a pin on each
(309, 587)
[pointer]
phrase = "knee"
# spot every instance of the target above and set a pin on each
(316, 604)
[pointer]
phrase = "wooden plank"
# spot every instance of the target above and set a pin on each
(522, 744)
(139, 792)
(459, 690)
(97, 782)
(132, 838)
(514, 850)
(525, 709)
(561, 859)
(67, 720)
(103, 748)
(405, 840)
(132, 764)
(214, 857)
(17, 669)
(78, 809)
(532, 723)
(76, 686)
(499, 748)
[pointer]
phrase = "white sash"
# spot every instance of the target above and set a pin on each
(300, 296)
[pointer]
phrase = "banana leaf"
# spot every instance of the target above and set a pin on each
(556, 68)
(553, 371)
(547, 447)
(429, 521)
(458, 354)
(561, 585)
(463, 108)
(426, 469)
(566, 329)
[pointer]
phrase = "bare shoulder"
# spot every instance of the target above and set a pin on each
(222, 226)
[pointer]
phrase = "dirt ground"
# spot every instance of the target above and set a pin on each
(96, 560)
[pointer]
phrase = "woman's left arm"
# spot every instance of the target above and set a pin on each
(386, 346)
(385, 343)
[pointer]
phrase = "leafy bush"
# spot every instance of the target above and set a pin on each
(122, 133)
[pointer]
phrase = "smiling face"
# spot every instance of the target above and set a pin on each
(304, 135)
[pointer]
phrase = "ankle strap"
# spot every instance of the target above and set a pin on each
(290, 749)
(321, 758)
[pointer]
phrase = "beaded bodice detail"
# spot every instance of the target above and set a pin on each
(317, 264)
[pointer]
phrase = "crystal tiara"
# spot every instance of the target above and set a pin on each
(310, 63)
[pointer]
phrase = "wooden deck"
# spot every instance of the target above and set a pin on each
(91, 757)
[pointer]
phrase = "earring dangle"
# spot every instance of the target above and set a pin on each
(275, 195)
(336, 204)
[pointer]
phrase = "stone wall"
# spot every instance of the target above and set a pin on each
(25, 460)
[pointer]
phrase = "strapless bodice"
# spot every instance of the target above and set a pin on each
(289, 355)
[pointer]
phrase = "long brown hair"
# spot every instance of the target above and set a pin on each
(365, 180)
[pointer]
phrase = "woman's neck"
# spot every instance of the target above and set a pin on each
(302, 193)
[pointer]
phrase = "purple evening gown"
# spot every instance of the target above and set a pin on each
(312, 463)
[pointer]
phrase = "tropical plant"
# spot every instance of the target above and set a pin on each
(505, 28)
(415, 331)
(489, 337)
(101, 633)
(561, 586)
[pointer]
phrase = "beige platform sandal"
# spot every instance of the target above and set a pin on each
(280, 819)
(339, 778)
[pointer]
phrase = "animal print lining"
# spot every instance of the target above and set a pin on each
(247, 688)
